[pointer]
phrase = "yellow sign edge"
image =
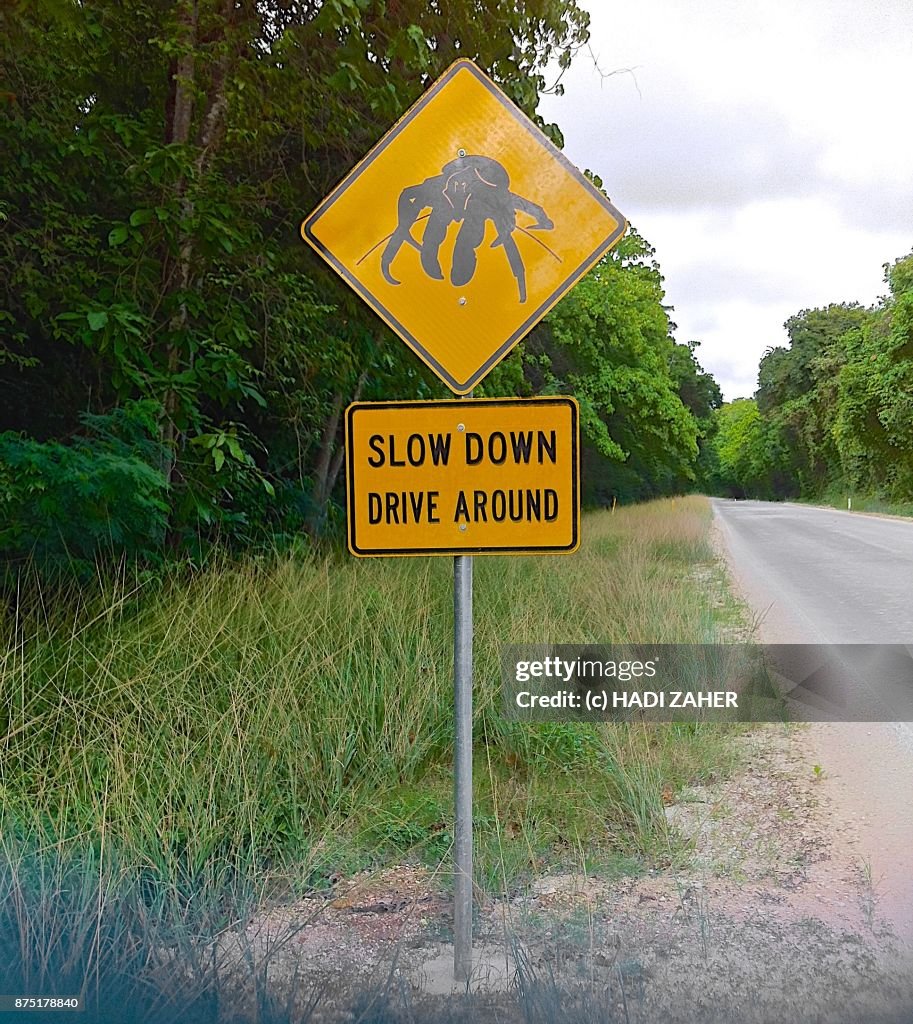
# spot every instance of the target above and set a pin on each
(465, 403)
(306, 228)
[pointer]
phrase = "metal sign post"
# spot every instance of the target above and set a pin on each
(462, 767)
(465, 162)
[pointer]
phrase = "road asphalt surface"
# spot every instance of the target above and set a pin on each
(822, 575)
(825, 576)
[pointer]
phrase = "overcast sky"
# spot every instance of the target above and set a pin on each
(764, 149)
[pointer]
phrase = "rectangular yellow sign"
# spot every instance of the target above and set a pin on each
(478, 476)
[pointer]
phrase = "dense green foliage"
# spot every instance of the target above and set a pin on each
(833, 412)
(99, 491)
(157, 159)
(645, 402)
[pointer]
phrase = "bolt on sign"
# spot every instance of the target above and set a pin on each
(478, 476)
(463, 226)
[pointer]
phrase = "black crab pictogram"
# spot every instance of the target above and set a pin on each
(470, 190)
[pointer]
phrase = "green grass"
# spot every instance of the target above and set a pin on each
(282, 721)
(255, 710)
(862, 503)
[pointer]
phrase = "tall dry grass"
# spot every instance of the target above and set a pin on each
(244, 706)
(193, 736)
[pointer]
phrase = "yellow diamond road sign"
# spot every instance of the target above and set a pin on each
(463, 226)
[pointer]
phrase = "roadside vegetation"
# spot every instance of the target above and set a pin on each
(190, 745)
(174, 360)
(204, 704)
(862, 503)
(832, 418)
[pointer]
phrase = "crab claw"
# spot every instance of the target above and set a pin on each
(431, 265)
(385, 268)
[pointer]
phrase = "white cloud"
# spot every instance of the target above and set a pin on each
(763, 149)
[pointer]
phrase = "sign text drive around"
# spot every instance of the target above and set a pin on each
(463, 477)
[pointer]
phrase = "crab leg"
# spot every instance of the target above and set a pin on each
(521, 205)
(412, 201)
(387, 238)
(515, 260)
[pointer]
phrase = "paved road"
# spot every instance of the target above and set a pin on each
(822, 576)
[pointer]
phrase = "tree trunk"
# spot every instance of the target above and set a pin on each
(336, 464)
(329, 461)
(319, 492)
(180, 109)
(209, 136)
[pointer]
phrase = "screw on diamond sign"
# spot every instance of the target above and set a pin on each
(463, 226)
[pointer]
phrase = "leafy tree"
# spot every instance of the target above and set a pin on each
(701, 395)
(834, 410)
(609, 344)
(873, 428)
(157, 160)
(750, 453)
(797, 389)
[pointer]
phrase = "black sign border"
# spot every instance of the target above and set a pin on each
(467, 403)
(307, 226)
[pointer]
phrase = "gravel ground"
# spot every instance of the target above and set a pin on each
(772, 918)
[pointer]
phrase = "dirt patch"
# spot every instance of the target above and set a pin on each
(865, 769)
(771, 917)
(866, 783)
(764, 838)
